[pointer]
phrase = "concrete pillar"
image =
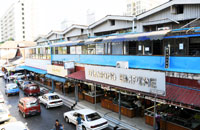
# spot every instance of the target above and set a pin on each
(119, 101)
(53, 87)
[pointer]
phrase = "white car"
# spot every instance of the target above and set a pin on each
(17, 75)
(1, 98)
(4, 113)
(91, 120)
(18, 125)
(23, 85)
(50, 100)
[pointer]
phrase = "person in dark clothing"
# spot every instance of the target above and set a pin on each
(158, 121)
(59, 126)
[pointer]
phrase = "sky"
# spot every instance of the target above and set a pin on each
(52, 12)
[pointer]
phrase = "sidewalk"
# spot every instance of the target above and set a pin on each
(136, 123)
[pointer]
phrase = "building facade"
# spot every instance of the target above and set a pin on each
(136, 7)
(18, 22)
(170, 15)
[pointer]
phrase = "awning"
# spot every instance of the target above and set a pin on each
(68, 43)
(119, 38)
(56, 78)
(39, 71)
(156, 35)
(9, 54)
(79, 75)
(93, 40)
(181, 94)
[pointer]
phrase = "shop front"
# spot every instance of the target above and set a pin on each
(55, 78)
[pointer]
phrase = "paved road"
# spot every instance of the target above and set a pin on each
(45, 121)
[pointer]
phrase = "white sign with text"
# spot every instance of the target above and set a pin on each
(141, 80)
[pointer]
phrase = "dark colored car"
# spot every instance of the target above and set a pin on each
(29, 106)
(32, 90)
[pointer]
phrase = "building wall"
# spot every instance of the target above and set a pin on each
(76, 32)
(41, 64)
(166, 16)
(18, 22)
(106, 26)
(177, 64)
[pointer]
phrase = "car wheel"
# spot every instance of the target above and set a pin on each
(67, 119)
(24, 115)
(83, 128)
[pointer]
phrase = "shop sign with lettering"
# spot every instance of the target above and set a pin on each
(141, 80)
(57, 70)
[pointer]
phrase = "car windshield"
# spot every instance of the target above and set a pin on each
(53, 97)
(12, 87)
(27, 82)
(33, 87)
(32, 104)
(93, 116)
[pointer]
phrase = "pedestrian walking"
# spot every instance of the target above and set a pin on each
(58, 126)
(79, 123)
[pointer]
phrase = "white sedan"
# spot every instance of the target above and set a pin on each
(4, 113)
(91, 120)
(50, 100)
(17, 75)
(18, 125)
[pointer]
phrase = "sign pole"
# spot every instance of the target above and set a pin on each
(154, 121)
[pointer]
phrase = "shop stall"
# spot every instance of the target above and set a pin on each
(173, 117)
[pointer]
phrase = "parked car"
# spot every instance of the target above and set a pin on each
(4, 113)
(18, 125)
(43, 90)
(50, 100)
(32, 90)
(29, 106)
(1, 98)
(91, 120)
(23, 85)
(17, 75)
(11, 89)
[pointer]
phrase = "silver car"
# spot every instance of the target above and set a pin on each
(4, 113)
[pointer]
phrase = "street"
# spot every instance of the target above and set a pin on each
(45, 121)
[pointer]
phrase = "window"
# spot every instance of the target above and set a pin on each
(107, 48)
(72, 50)
(194, 46)
(91, 49)
(84, 49)
(23, 36)
(117, 48)
(22, 18)
(23, 32)
(64, 50)
(22, 8)
(130, 48)
(78, 50)
(22, 22)
(82, 31)
(23, 27)
(22, 4)
(56, 50)
(112, 22)
(60, 50)
(22, 13)
(99, 48)
(179, 9)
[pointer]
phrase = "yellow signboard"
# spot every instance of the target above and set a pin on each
(57, 70)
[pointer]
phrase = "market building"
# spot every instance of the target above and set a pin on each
(128, 73)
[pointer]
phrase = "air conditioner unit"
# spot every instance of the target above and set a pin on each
(163, 28)
(122, 64)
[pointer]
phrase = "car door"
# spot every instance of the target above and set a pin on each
(44, 99)
(21, 106)
(74, 117)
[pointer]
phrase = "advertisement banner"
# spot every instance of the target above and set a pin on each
(141, 80)
(57, 70)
